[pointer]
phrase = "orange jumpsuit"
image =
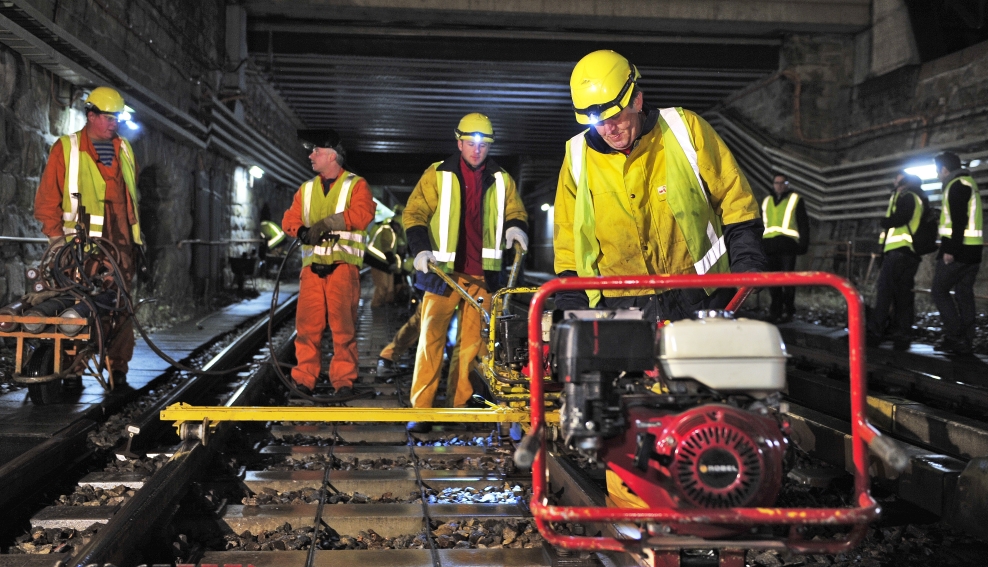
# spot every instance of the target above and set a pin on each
(333, 299)
(119, 216)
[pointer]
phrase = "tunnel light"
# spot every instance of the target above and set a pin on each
(545, 206)
(928, 173)
(925, 172)
(255, 172)
(125, 116)
(974, 163)
(132, 125)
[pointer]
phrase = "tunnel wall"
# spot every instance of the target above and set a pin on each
(175, 50)
(863, 97)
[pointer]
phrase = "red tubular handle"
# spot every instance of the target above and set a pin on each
(862, 432)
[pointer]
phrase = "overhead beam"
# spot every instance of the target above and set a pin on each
(725, 17)
(688, 54)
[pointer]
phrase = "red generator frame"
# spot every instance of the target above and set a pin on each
(864, 435)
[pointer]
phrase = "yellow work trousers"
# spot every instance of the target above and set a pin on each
(384, 288)
(437, 310)
(405, 337)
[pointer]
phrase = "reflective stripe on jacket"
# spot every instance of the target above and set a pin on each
(444, 240)
(901, 236)
(381, 240)
(621, 209)
(780, 219)
(973, 231)
(343, 246)
(84, 186)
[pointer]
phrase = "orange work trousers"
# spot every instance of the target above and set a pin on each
(333, 299)
(437, 310)
(117, 230)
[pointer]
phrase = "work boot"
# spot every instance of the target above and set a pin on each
(385, 367)
(343, 392)
(901, 344)
(952, 345)
(419, 427)
(303, 389)
(119, 378)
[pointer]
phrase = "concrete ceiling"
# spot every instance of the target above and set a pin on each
(395, 76)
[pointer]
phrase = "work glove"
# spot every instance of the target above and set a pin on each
(331, 223)
(423, 259)
(515, 234)
(394, 262)
(36, 298)
(56, 242)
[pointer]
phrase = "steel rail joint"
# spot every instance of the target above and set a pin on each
(867, 509)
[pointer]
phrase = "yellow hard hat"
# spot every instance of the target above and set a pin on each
(601, 86)
(475, 126)
(105, 99)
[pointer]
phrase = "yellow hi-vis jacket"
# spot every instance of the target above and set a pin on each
(901, 236)
(638, 230)
(435, 204)
(780, 220)
(346, 245)
(84, 185)
(973, 235)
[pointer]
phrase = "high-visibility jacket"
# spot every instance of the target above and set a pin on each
(658, 210)
(345, 245)
(973, 231)
(381, 241)
(84, 186)
(901, 236)
(780, 218)
(435, 204)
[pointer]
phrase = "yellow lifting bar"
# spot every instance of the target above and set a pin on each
(184, 412)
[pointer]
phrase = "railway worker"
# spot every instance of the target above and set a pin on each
(959, 258)
(648, 191)
(382, 242)
(894, 288)
(787, 235)
(462, 214)
(329, 214)
(99, 166)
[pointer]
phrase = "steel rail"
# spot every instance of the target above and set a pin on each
(156, 502)
(149, 419)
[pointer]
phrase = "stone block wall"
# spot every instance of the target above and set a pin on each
(866, 96)
(175, 49)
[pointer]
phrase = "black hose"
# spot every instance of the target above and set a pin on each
(277, 365)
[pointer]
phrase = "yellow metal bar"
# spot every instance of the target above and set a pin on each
(186, 412)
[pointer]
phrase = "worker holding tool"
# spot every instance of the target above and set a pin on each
(94, 170)
(329, 214)
(461, 216)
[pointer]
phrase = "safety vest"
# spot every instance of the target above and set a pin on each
(901, 236)
(444, 226)
(972, 232)
(374, 245)
(780, 219)
(685, 195)
(343, 246)
(89, 188)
